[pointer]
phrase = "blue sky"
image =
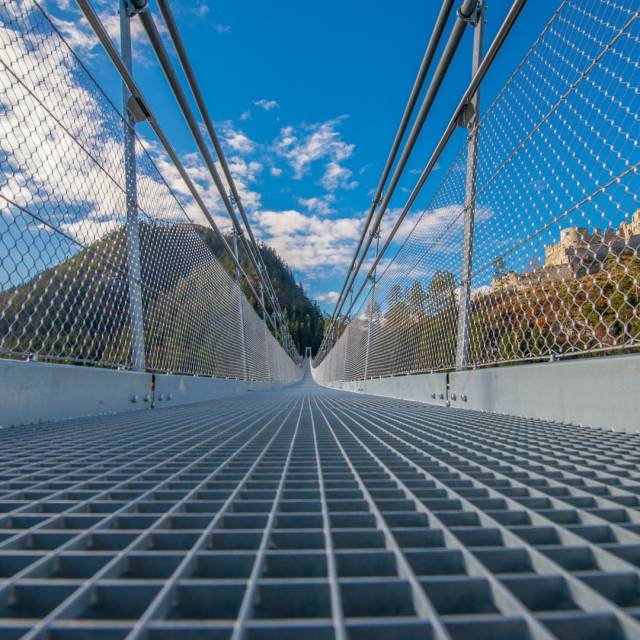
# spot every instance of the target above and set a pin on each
(307, 98)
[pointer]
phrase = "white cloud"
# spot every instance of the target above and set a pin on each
(313, 143)
(309, 243)
(81, 197)
(237, 140)
(50, 174)
(240, 168)
(201, 10)
(245, 115)
(321, 206)
(337, 176)
(219, 27)
(89, 228)
(243, 173)
(329, 296)
(78, 34)
(267, 105)
(81, 38)
(416, 171)
(111, 22)
(57, 171)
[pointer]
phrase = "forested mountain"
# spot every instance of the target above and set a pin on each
(304, 317)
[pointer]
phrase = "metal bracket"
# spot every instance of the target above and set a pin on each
(132, 10)
(137, 108)
(474, 17)
(467, 115)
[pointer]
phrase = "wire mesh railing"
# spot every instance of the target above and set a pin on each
(65, 246)
(555, 241)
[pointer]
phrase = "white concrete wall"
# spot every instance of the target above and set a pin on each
(33, 392)
(428, 387)
(600, 392)
(187, 389)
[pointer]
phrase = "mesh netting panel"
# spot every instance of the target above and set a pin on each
(64, 272)
(555, 267)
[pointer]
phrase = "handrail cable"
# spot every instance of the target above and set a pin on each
(488, 59)
(127, 78)
(163, 58)
(427, 59)
(465, 13)
(178, 44)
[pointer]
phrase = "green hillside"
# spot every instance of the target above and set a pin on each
(304, 317)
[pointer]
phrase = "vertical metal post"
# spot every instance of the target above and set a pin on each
(471, 117)
(132, 229)
(266, 333)
(243, 346)
(345, 343)
(371, 308)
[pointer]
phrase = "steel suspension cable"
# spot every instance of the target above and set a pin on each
(178, 44)
(465, 13)
(163, 58)
(484, 67)
(427, 59)
(127, 78)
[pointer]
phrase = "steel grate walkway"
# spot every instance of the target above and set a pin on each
(314, 514)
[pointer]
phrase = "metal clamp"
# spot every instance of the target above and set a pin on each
(137, 109)
(135, 7)
(472, 18)
(467, 115)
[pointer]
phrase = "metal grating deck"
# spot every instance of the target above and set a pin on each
(314, 514)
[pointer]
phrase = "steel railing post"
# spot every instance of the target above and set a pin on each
(132, 225)
(471, 121)
(266, 332)
(243, 346)
(345, 346)
(371, 309)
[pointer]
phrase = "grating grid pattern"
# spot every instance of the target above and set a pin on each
(309, 513)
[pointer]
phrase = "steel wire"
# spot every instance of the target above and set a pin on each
(63, 245)
(555, 265)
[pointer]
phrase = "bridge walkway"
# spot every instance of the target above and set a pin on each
(309, 513)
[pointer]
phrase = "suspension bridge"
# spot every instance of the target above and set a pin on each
(460, 459)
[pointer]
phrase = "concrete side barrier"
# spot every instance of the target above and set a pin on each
(598, 392)
(34, 392)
